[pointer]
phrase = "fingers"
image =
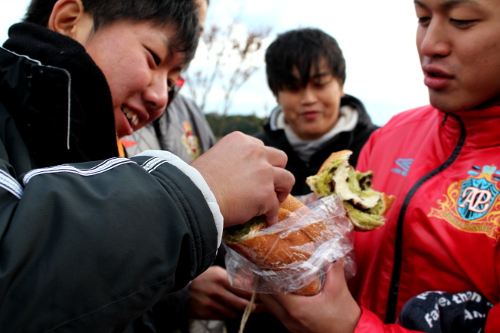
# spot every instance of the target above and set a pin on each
(220, 309)
(272, 212)
(274, 306)
(210, 296)
(283, 183)
(259, 307)
(247, 178)
(283, 179)
(335, 277)
(276, 157)
(240, 292)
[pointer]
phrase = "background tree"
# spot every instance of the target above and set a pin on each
(250, 124)
(226, 58)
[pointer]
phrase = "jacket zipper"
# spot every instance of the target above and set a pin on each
(396, 272)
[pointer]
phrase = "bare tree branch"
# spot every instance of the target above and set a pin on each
(229, 62)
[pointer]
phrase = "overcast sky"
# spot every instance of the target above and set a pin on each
(377, 38)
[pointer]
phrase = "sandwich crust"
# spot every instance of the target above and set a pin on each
(341, 154)
(277, 250)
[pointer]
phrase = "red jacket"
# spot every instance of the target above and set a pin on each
(443, 230)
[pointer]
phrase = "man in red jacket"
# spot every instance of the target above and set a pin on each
(434, 266)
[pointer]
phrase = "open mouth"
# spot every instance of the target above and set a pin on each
(131, 116)
(432, 74)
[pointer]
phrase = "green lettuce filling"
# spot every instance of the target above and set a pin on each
(360, 184)
(236, 233)
(368, 218)
(322, 183)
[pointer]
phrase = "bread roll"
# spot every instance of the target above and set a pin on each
(277, 250)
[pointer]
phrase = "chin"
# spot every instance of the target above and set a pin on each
(311, 136)
(448, 105)
(120, 132)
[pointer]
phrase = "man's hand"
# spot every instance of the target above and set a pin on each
(333, 310)
(247, 178)
(212, 297)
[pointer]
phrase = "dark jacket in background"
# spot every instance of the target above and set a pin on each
(352, 140)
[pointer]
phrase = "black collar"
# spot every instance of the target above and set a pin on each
(65, 112)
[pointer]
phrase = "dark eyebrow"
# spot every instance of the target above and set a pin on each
(321, 74)
(416, 2)
(450, 3)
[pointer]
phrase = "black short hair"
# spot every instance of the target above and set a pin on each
(178, 14)
(303, 49)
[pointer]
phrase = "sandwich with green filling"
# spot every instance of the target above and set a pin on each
(364, 206)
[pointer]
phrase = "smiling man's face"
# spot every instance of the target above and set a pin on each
(138, 64)
(312, 110)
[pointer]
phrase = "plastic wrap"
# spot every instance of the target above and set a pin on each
(255, 273)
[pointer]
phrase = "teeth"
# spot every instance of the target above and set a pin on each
(135, 120)
(131, 116)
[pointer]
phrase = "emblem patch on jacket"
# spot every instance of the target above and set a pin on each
(190, 141)
(471, 205)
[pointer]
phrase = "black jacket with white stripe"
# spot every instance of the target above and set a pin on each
(88, 241)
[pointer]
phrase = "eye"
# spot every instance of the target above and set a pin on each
(321, 83)
(156, 58)
(322, 80)
(424, 20)
(462, 23)
(291, 87)
(170, 85)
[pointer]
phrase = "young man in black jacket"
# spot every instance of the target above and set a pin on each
(91, 241)
(306, 72)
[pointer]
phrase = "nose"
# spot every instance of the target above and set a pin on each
(308, 95)
(433, 41)
(155, 95)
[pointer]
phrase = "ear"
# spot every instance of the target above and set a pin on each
(66, 17)
(277, 97)
(341, 90)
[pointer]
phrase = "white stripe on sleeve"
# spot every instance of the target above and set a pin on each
(65, 168)
(194, 175)
(10, 184)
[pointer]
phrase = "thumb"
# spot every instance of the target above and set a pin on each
(272, 214)
(335, 277)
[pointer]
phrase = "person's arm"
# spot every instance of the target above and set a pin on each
(90, 246)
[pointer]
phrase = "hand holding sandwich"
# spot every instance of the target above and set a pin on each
(333, 310)
(247, 178)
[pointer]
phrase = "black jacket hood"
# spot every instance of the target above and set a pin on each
(57, 95)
